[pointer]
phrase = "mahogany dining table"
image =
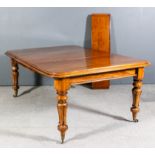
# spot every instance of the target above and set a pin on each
(69, 65)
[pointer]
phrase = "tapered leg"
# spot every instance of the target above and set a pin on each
(15, 75)
(136, 92)
(62, 111)
(61, 88)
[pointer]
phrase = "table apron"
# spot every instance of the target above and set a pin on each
(103, 76)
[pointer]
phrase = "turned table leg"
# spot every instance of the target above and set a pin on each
(61, 87)
(15, 75)
(136, 92)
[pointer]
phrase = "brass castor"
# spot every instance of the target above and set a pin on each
(135, 120)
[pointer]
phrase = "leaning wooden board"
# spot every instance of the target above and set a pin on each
(100, 42)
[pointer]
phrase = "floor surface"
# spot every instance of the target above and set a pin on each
(96, 118)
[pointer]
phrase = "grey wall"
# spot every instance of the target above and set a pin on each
(132, 34)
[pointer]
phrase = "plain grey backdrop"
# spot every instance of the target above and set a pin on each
(132, 34)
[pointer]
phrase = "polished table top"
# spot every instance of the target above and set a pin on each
(67, 61)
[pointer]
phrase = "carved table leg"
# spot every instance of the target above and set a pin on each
(136, 92)
(15, 75)
(61, 87)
